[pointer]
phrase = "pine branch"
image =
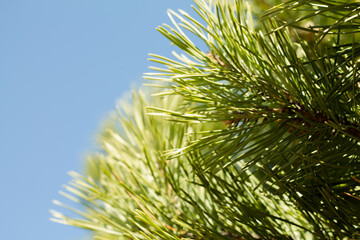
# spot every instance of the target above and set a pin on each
(255, 137)
(289, 106)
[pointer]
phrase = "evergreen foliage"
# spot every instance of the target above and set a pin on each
(253, 135)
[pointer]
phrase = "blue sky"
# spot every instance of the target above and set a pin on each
(63, 65)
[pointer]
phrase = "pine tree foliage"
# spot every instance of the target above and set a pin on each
(253, 134)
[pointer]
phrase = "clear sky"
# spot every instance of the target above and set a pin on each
(63, 64)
